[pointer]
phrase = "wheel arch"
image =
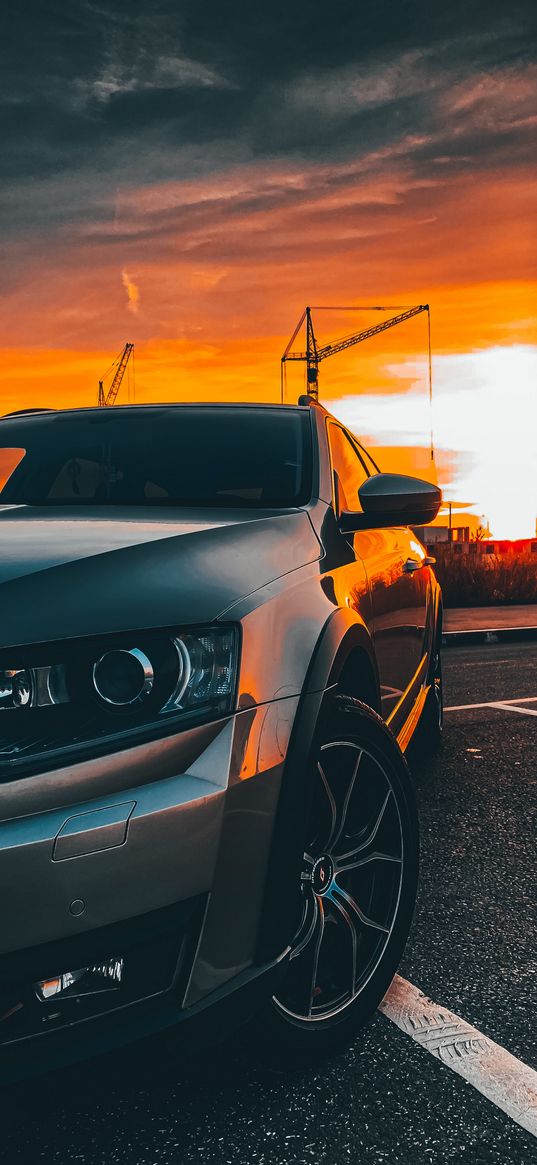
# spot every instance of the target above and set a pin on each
(345, 659)
(359, 679)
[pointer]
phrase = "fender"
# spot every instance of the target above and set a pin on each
(344, 632)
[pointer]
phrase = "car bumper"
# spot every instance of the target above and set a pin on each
(156, 856)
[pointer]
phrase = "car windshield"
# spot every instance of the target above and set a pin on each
(189, 455)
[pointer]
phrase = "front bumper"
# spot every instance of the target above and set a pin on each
(156, 855)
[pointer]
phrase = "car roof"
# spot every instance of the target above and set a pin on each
(150, 407)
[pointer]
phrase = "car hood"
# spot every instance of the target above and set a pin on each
(65, 573)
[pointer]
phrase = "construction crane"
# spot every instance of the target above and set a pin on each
(313, 354)
(110, 397)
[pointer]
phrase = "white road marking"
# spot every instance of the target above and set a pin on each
(512, 708)
(510, 1084)
(493, 704)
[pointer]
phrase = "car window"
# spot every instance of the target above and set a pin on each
(80, 478)
(369, 462)
(348, 470)
(184, 455)
(9, 459)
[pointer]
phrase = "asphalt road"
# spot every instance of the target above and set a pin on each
(473, 949)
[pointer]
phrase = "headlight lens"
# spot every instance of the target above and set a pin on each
(68, 697)
(123, 676)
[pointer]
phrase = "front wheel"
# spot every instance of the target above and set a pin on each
(358, 886)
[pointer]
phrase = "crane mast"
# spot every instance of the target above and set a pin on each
(109, 398)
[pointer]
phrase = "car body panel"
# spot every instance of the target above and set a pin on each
(209, 814)
(173, 837)
(398, 607)
(186, 571)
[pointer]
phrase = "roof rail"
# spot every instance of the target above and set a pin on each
(309, 400)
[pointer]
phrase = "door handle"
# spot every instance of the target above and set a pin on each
(413, 564)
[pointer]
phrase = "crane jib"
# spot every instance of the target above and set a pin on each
(110, 397)
(355, 337)
(313, 355)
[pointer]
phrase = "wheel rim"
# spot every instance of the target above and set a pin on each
(350, 882)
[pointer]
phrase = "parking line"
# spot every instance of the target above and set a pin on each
(509, 1083)
(506, 704)
(512, 708)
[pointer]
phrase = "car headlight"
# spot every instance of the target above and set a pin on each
(67, 697)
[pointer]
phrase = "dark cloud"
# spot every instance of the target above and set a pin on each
(285, 38)
(97, 96)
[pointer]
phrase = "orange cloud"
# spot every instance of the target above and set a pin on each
(228, 262)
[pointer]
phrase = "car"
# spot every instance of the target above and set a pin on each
(219, 634)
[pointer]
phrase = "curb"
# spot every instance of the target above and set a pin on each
(489, 635)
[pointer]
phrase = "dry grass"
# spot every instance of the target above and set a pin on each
(478, 579)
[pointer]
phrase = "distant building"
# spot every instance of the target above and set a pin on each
(511, 546)
(434, 534)
(461, 542)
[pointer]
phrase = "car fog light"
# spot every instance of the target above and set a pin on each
(85, 981)
(22, 689)
(15, 688)
(123, 677)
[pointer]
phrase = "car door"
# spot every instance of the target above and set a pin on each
(415, 587)
(397, 590)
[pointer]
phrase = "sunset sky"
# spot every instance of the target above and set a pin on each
(188, 175)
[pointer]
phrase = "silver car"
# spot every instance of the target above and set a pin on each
(218, 635)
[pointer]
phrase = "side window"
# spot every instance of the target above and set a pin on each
(9, 459)
(368, 460)
(348, 470)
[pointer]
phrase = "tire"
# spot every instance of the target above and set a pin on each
(358, 885)
(429, 731)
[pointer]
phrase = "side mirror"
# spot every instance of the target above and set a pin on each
(392, 499)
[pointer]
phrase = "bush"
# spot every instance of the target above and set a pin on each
(470, 579)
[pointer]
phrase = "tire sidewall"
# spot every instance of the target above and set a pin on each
(353, 722)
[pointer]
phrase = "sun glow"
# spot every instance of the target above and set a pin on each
(484, 408)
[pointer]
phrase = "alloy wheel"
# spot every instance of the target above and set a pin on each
(351, 884)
